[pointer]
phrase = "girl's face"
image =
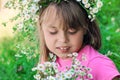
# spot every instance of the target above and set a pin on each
(58, 41)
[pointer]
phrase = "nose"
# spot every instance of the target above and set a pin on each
(63, 37)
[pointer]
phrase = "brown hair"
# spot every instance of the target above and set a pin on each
(73, 16)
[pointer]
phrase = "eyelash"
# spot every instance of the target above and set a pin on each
(72, 32)
(53, 33)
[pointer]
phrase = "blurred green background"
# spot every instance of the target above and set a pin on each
(20, 53)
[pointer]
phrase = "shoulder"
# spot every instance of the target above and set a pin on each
(102, 67)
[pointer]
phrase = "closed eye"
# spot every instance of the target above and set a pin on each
(52, 30)
(72, 31)
(55, 32)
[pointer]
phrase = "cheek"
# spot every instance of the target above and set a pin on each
(49, 40)
(77, 41)
(47, 36)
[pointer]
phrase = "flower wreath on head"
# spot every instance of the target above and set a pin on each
(92, 7)
(29, 9)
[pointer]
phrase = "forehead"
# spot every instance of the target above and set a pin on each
(53, 17)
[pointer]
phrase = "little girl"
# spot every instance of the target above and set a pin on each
(68, 26)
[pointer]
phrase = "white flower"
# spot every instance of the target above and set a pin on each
(51, 78)
(89, 16)
(51, 55)
(26, 16)
(90, 8)
(37, 77)
(47, 64)
(75, 54)
(99, 4)
(36, 18)
(95, 10)
(40, 6)
(20, 25)
(87, 5)
(90, 76)
(41, 67)
(77, 62)
(84, 1)
(68, 74)
(60, 76)
(33, 9)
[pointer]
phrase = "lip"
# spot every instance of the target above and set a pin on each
(63, 49)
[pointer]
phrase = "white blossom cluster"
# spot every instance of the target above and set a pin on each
(27, 11)
(25, 23)
(91, 6)
(49, 71)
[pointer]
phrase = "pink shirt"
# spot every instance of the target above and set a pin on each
(102, 67)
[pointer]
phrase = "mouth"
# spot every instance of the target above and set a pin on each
(63, 49)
